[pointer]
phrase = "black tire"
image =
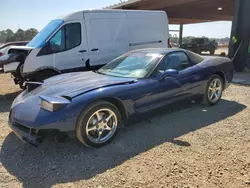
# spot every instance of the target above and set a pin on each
(212, 51)
(198, 51)
(84, 117)
(248, 63)
(43, 75)
(19, 77)
(206, 101)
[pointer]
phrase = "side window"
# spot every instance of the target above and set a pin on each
(195, 58)
(73, 35)
(57, 42)
(178, 61)
(68, 37)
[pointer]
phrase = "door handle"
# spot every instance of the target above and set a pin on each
(94, 49)
(82, 51)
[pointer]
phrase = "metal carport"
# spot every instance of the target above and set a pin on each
(197, 11)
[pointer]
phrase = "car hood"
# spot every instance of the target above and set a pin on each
(12, 57)
(9, 58)
(21, 47)
(74, 84)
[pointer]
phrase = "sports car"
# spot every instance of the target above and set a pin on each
(95, 104)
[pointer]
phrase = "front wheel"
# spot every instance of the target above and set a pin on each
(97, 124)
(213, 91)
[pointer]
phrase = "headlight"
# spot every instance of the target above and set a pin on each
(53, 104)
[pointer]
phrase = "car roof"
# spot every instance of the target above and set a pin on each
(14, 43)
(162, 51)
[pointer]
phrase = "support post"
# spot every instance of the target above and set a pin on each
(240, 34)
(180, 34)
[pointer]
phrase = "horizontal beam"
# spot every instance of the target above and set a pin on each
(120, 5)
(153, 4)
(186, 21)
(182, 11)
(174, 30)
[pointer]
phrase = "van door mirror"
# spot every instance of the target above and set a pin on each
(47, 48)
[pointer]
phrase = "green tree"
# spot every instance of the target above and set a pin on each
(10, 35)
(20, 35)
(2, 36)
(30, 33)
(6, 35)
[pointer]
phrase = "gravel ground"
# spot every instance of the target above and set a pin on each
(192, 147)
(218, 51)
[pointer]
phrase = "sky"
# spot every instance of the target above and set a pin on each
(37, 13)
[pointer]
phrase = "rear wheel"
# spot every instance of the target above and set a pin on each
(97, 124)
(213, 91)
(212, 51)
(198, 51)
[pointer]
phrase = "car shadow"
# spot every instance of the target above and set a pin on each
(6, 101)
(53, 163)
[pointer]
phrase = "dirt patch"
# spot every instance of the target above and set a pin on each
(218, 51)
(192, 147)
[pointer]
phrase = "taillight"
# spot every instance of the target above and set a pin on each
(1, 54)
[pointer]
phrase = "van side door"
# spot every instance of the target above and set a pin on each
(107, 36)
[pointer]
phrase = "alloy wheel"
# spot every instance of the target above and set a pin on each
(215, 90)
(101, 126)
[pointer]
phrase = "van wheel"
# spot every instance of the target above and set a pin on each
(97, 124)
(43, 75)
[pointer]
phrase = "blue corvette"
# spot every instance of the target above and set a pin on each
(95, 104)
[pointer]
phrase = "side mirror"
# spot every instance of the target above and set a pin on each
(48, 48)
(170, 73)
(45, 50)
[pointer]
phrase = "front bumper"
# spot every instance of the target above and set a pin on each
(30, 135)
(26, 134)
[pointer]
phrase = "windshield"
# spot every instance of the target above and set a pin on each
(40, 39)
(195, 58)
(132, 65)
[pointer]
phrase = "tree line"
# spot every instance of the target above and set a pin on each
(26, 35)
(175, 39)
(20, 35)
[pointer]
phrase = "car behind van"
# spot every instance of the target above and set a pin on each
(85, 40)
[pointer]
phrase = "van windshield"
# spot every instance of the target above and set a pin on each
(40, 39)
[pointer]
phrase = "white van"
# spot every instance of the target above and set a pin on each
(84, 40)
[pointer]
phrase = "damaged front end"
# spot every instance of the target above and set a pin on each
(13, 63)
(10, 62)
(30, 135)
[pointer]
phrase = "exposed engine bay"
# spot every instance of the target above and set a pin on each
(13, 63)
